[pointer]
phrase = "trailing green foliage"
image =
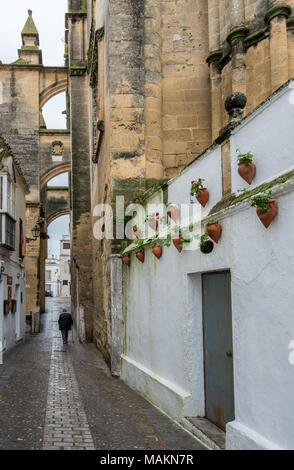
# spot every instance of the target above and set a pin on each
(261, 201)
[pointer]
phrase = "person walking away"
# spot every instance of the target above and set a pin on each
(65, 323)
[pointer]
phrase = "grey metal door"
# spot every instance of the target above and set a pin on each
(218, 347)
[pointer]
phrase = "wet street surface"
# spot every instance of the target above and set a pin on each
(63, 397)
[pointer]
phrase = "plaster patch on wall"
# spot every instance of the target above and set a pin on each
(177, 37)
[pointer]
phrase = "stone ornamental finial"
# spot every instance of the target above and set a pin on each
(30, 12)
(235, 104)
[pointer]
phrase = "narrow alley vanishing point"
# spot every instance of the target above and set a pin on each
(64, 398)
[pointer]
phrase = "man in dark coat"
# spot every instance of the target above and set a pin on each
(65, 322)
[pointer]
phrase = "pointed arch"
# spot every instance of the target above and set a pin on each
(56, 215)
(53, 90)
(55, 171)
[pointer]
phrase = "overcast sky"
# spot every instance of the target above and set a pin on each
(49, 18)
(56, 229)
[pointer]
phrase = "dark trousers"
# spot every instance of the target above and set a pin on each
(64, 336)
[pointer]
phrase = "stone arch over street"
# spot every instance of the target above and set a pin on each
(56, 215)
(54, 171)
(59, 86)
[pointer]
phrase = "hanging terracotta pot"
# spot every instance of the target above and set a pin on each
(137, 233)
(140, 256)
(174, 212)
(127, 260)
(207, 247)
(214, 231)
(267, 217)
(202, 196)
(177, 243)
(157, 251)
(153, 223)
(247, 172)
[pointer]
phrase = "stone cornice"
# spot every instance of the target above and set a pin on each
(222, 56)
(77, 71)
(281, 9)
(214, 56)
(238, 33)
(256, 37)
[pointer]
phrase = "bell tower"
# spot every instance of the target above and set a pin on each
(30, 52)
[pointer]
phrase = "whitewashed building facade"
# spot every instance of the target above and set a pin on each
(52, 276)
(191, 320)
(13, 189)
(65, 265)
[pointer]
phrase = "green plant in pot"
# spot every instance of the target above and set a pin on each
(137, 231)
(266, 207)
(173, 212)
(206, 245)
(140, 255)
(180, 240)
(246, 167)
(125, 256)
(198, 190)
(153, 220)
(157, 249)
(214, 230)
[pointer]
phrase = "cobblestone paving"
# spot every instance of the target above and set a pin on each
(55, 397)
(66, 426)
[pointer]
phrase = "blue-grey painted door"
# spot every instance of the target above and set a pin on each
(218, 347)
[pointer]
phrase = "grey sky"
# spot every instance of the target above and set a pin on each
(56, 229)
(49, 18)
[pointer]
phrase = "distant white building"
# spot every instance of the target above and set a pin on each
(52, 276)
(65, 266)
(13, 189)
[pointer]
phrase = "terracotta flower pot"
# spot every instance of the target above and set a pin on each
(174, 212)
(214, 231)
(157, 251)
(127, 260)
(177, 243)
(153, 223)
(267, 217)
(137, 233)
(247, 172)
(202, 196)
(140, 256)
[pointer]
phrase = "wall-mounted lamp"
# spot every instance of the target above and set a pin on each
(36, 234)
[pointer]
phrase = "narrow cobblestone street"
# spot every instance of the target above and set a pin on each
(63, 397)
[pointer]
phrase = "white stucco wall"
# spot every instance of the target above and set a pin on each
(163, 351)
(268, 135)
(12, 326)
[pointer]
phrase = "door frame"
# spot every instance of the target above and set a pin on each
(215, 271)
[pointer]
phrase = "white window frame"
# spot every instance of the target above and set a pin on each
(8, 208)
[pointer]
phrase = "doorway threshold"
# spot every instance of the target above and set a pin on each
(207, 432)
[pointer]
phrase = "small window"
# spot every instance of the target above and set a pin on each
(66, 246)
(7, 195)
(7, 232)
(65, 283)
